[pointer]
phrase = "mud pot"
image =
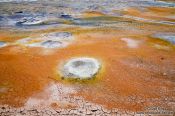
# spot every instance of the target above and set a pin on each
(87, 57)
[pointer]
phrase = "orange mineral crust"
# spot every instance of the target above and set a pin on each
(87, 57)
(133, 75)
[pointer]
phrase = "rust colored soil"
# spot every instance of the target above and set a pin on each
(126, 73)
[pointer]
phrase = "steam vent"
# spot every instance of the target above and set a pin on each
(80, 68)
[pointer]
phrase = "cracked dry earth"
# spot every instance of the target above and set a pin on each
(133, 40)
(72, 105)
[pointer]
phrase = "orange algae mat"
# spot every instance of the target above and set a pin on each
(135, 74)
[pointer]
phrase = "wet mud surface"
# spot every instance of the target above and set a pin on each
(134, 41)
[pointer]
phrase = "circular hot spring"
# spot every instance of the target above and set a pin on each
(80, 68)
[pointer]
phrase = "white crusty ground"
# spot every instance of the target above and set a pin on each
(39, 104)
(86, 68)
(56, 39)
(131, 43)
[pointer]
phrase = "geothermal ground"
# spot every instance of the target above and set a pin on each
(87, 57)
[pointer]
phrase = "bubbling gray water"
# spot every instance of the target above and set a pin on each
(80, 68)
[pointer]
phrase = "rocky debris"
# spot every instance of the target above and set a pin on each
(81, 68)
(50, 40)
(2, 44)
